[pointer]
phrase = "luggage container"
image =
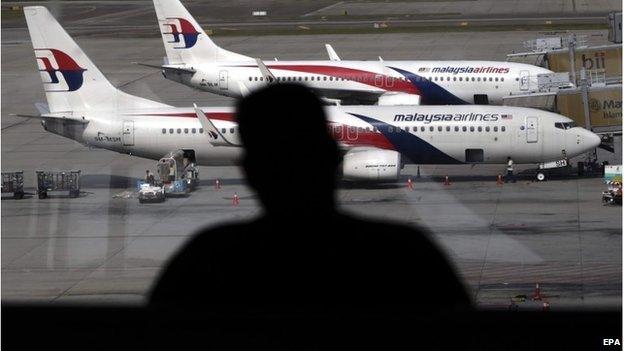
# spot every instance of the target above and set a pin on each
(13, 184)
(58, 182)
(178, 173)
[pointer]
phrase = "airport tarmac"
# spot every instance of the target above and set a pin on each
(103, 247)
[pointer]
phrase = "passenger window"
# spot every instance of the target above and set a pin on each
(439, 128)
(422, 129)
(502, 128)
(473, 79)
(250, 79)
(496, 129)
(164, 131)
(179, 131)
(448, 78)
(479, 129)
(256, 79)
(448, 128)
(457, 128)
(390, 129)
(478, 79)
(407, 129)
(415, 129)
(185, 130)
(461, 79)
(232, 130)
(454, 79)
(193, 130)
(496, 79)
(502, 79)
(490, 79)
(262, 79)
(471, 128)
(171, 131)
(331, 78)
(299, 79)
(325, 78)
(201, 130)
(487, 129)
(223, 130)
(464, 129)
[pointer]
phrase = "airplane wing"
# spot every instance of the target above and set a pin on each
(333, 56)
(216, 137)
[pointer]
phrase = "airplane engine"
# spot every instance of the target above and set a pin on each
(371, 165)
(397, 99)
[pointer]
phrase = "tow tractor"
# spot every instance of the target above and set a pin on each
(151, 192)
(178, 173)
(543, 168)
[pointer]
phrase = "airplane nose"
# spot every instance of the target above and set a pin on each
(593, 140)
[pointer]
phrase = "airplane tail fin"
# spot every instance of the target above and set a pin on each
(71, 81)
(185, 41)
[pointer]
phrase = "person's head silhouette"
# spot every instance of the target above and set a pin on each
(290, 158)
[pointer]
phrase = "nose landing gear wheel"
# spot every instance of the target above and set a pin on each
(540, 176)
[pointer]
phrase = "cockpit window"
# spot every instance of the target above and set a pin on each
(565, 125)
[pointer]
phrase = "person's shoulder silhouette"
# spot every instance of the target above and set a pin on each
(302, 254)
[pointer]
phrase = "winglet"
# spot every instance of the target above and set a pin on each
(264, 70)
(216, 138)
(333, 56)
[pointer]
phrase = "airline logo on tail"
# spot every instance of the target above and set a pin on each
(186, 30)
(71, 72)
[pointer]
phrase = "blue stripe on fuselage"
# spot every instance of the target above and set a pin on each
(431, 93)
(409, 145)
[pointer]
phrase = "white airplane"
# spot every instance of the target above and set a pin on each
(195, 60)
(376, 140)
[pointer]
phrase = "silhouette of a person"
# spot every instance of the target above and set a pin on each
(302, 254)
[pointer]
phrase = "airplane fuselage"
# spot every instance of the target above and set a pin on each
(421, 134)
(436, 82)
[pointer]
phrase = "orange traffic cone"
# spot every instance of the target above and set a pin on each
(447, 181)
(499, 180)
(217, 184)
(235, 200)
(409, 183)
(537, 296)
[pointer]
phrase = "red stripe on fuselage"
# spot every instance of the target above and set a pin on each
(355, 137)
(378, 80)
(221, 116)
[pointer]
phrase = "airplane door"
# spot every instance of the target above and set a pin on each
(524, 80)
(223, 80)
(127, 137)
(532, 129)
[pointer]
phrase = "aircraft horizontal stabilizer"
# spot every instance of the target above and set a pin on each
(55, 116)
(167, 67)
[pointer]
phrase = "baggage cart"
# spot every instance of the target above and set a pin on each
(13, 184)
(58, 182)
